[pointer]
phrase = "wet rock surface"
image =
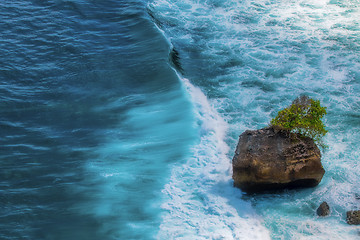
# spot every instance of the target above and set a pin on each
(323, 210)
(353, 217)
(269, 159)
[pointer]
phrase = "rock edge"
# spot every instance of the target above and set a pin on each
(270, 159)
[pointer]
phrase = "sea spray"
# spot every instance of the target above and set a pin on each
(253, 58)
(201, 202)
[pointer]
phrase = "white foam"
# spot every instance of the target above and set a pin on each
(201, 201)
(269, 52)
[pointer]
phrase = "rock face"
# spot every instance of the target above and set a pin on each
(323, 210)
(353, 217)
(268, 159)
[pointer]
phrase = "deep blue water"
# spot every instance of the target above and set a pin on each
(91, 120)
(119, 119)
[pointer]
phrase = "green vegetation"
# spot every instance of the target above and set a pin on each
(303, 116)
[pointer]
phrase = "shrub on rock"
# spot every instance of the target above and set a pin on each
(303, 116)
(284, 155)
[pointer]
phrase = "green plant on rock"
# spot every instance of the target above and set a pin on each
(303, 116)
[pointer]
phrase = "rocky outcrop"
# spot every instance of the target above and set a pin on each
(270, 159)
(323, 210)
(353, 217)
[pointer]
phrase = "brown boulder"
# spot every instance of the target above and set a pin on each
(270, 159)
(353, 217)
(323, 210)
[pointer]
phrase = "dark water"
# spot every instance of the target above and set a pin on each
(70, 72)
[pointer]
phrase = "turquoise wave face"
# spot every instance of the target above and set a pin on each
(251, 59)
(126, 173)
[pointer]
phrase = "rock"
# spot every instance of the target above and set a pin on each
(270, 159)
(357, 196)
(353, 217)
(323, 210)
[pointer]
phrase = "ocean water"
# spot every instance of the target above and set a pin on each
(119, 118)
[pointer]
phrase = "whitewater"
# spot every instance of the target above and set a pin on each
(250, 59)
(119, 119)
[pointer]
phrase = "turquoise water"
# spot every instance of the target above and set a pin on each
(91, 120)
(250, 59)
(119, 119)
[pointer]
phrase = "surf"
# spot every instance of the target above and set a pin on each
(251, 59)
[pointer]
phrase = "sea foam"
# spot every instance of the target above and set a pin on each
(201, 202)
(252, 59)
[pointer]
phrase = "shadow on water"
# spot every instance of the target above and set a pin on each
(174, 58)
(255, 205)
